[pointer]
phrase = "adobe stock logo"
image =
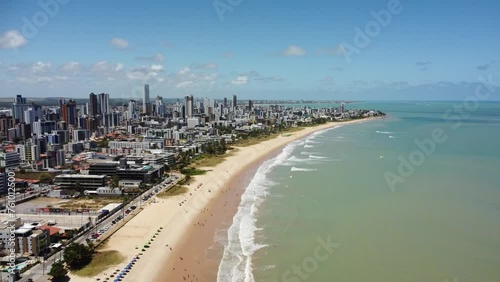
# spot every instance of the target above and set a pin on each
(363, 38)
(49, 9)
(301, 272)
(223, 6)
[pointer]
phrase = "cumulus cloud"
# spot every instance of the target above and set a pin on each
(184, 70)
(158, 57)
(240, 80)
(146, 72)
(12, 39)
(184, 84)
(41, 67)
(119, 43)
(71, 67)
(294, 50)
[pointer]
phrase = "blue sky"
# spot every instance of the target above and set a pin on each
(269, 49)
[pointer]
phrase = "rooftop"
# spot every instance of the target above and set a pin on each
(82, 176)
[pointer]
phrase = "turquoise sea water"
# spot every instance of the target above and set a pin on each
(441, 224)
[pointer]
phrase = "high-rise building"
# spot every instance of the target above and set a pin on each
(41, 127)
(235, 102)
(32, 114)
(103, 102)
(93, 106)
(131, 109)
(189, 104)
(250, 105)
(20, 105)
(69, 113)
(159, 106)
(145, 101)
(225, 102)
(6, 122)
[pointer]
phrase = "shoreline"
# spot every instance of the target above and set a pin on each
(186, 248)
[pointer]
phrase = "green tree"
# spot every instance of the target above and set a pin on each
(77, 255)
(58, 271)
(78, 187)
(115, 181)
(45, 177)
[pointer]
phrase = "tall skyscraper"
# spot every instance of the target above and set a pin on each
(131, 109)
(103, 102)
(250, 105)
(225, 102)
(20, 105)
(145, 101)
(33, 113)
(235, 102)
(69, 113)
(159, 106)
(189, 103)
(93, 106)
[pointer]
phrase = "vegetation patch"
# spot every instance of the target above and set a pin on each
(191, 171)
(175, 191)
(100, 262)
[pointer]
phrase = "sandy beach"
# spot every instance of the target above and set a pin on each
(185, 250)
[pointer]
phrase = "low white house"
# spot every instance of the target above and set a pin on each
(104, 191)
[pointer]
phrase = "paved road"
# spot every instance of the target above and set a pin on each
(38, 272)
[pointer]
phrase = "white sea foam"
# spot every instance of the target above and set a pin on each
(236, 264)
(302, 169)
(317, 157)
(308, 153)
(392, 137)
(310, 141)
(308, 146)
(384, 132)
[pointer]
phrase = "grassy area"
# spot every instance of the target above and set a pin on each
(192, 171)
(31, 175)
(100, 262)
(256, 140)
(175, 191)
(89, 203)
(211, 161)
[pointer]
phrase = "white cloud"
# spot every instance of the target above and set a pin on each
(184, 70)
(40, 67)
(293, 50)
(158, 57)
(12, 39)
(240, 80)
(184, 84)
(157, 67)
(146, 72)
(119, 43)
(71, 67)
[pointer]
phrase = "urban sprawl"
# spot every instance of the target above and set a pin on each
(79, 169)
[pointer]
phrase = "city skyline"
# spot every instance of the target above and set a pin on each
(318, 49)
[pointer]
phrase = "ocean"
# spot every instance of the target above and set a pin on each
(414, 197)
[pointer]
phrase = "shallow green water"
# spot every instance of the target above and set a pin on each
(441, 223)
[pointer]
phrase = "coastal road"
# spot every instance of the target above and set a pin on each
(39, 271)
